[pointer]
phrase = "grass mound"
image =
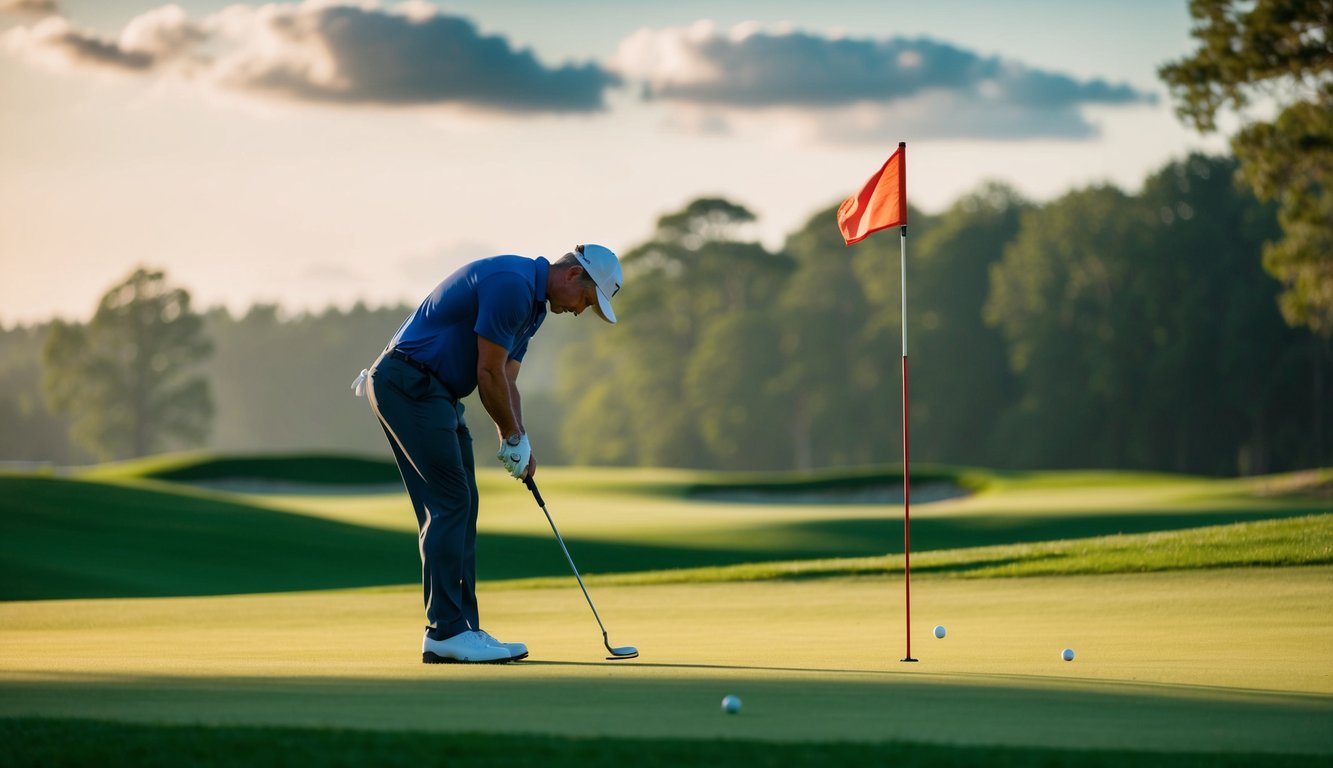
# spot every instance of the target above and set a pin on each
(309, 469)
(69, 538)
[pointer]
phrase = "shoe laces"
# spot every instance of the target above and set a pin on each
(472, 639)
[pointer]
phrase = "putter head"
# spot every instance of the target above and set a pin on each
(623, 652)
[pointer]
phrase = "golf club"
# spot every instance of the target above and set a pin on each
(617, 654)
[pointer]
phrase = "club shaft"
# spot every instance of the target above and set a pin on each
(575, 569)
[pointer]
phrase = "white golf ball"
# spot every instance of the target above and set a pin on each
(731, 704)
(1067, 654)
(939, 631)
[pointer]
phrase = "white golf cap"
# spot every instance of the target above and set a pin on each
(604, 269)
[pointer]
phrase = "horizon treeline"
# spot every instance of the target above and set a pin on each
(1101, 329)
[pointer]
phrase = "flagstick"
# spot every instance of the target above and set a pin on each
(874, 207)
(907, 505)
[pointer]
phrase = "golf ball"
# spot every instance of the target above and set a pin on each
(731, 704)
(939, 631)
(1067, 654)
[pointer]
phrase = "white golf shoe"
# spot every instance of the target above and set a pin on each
(464, 647)
(517, 651)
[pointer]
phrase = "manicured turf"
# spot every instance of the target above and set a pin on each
(633, 508)
(1267, 543)
(133, 537)
(1198, 609)
(314, 469)
(69, 538)
(1195, 661)
(82, 742)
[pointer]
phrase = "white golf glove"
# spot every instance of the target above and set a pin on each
(515, 453)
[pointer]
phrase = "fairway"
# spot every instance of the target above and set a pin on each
(155, 538)
(1198, 661)
(1198, 609)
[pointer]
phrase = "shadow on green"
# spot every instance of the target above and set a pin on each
(806, 706)
(66, 539)
(32, 742)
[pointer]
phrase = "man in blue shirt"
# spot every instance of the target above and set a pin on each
(470, 333)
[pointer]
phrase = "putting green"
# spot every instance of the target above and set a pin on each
(1233, 660)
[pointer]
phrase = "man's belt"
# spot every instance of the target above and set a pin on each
(398, 354)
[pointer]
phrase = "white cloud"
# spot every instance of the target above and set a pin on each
(349, 53)
(896, 83)
(163, 33)
(57, 44)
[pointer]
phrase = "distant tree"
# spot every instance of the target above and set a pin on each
(837, 378)
(1277, 52)
(1245, 388)
(1061, 298)
(127, 379)
(734, 391)
(627, 390)
(30, 432)
(1144, 333)
(961, 382)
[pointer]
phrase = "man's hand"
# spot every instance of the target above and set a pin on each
(516, 454)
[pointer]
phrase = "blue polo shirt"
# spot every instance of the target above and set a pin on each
(502, 299)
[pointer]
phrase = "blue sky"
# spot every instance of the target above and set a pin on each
(324, 152)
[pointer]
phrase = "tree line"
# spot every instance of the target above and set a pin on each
(1102, 329)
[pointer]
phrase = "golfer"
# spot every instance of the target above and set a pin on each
(470, 333)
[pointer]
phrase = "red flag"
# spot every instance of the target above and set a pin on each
(881, 203)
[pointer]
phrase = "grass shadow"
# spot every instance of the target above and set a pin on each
(642, 703)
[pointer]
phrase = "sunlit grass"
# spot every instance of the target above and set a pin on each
(1203, 660)
(1268, 543)
(1198, 608)
(128, 535)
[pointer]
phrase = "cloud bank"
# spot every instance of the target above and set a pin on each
(857, 86)
(793, 84)
(329, 52)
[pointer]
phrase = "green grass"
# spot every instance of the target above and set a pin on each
(1198, 608)
(1267, 544)
(348, 470)
(45, 742)
(321, 469)
(1196, 661)
(67, 538)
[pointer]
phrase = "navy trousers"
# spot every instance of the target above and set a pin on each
(433, 447)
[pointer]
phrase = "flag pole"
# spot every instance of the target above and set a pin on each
(907, 484)
(881, 203)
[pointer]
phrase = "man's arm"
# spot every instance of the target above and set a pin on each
(498, 394)
(515, 402)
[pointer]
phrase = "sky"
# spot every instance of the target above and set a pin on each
(325, 152)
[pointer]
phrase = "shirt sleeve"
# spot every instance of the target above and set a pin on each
(504, 303)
